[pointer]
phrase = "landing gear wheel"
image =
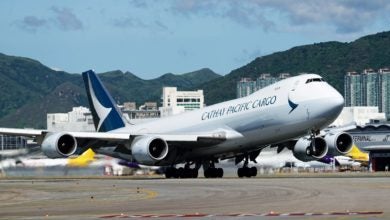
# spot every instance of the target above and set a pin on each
(194, 173)
(219, 172)
(169, 172)
(240, 172)
(253, 171)
(213, 173)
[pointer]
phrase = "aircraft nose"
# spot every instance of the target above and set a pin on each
(338, 100)
(335, 102)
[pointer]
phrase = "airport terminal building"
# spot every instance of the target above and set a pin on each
(375, 139)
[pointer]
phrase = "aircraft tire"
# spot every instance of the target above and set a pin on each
(219, 172)
(253, 171)
(207, 173)
(211, 173)
(168, 173)
(181, 172)
(194, 173)
(175, 173)
(247, 172)
(240, 172)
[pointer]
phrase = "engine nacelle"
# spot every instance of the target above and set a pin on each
(59, 145)
(339, 143)
(149, 150)
(304, 150)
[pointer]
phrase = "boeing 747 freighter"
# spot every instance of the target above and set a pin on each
(288, 114)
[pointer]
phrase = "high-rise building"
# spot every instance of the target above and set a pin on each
(370, 88)
(370, 84)
(245, 87)
(353, 89)
(384, 91)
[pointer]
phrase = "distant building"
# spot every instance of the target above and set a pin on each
(384, 91)
(352, 89)
(146, 111)
(79, 119)
(174, 101)
(247, 86)
(12, 142)
(370, 88)
(127, 106)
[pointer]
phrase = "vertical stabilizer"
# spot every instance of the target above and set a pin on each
(105, 113)
(83, 160)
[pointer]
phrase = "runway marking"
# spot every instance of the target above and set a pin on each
(150, 194)
(270, 214)
(147, 193)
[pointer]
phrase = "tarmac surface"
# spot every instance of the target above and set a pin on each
(341, 196)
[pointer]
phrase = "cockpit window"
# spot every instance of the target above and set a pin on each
(314, 80)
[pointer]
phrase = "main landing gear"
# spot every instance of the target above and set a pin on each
(182, 172)
(246, 171)
(210, 171)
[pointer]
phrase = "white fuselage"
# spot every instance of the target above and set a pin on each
(285, 110)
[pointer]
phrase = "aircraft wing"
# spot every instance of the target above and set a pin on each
(110, 139)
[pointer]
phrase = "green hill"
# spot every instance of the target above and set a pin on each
(331, 60)
(30, 90)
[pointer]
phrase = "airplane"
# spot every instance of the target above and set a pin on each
(269, 158)
(359, 156)
(85, 159)
(289, 113)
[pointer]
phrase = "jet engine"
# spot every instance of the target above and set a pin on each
(58, 145)
(339, 143)
(149, 150)
(307, 150)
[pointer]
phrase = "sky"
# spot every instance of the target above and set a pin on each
(153, 37)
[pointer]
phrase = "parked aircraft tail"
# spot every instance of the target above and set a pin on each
(105, 113)
(83, 160)
(357, 155)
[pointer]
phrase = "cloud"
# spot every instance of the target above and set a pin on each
(138, 3)
(63, 19)
(131, 22)
(31, 23)
(344, 16)
(66, 20)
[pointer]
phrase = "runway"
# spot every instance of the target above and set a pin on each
(117, 198)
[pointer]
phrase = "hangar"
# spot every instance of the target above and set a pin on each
(375, 139)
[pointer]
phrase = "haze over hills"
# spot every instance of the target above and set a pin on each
(30, 90)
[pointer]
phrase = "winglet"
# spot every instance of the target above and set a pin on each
(105, 113)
